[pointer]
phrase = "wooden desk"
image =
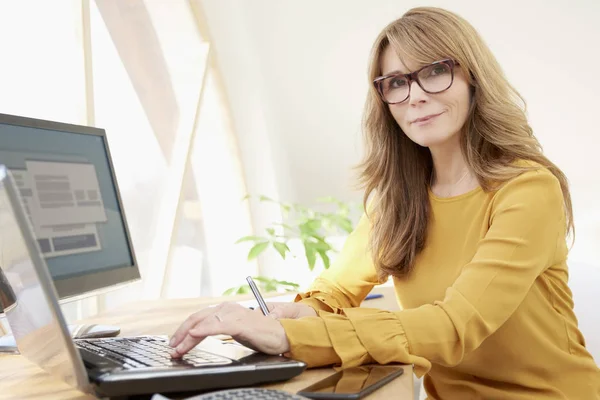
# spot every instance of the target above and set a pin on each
(20, 379)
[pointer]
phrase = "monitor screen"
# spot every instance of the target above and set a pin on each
(69, 192)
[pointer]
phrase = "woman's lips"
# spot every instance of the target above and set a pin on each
(425, 120)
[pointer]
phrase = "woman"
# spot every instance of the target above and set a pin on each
(469, 219)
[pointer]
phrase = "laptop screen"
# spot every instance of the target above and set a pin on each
(28, 296)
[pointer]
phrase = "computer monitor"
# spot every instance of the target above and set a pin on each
(67, 183)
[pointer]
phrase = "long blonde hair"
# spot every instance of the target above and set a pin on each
(398, 171)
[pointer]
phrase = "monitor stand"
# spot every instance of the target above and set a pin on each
(84, 331)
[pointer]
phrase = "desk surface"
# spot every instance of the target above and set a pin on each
(20, 379)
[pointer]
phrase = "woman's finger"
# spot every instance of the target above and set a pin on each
(192, 337)
(270, 307)
(191, 321)
(225, 321)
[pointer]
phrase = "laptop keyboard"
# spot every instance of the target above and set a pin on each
(147, 352)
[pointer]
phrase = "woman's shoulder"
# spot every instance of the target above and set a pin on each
(531, 182)
(532, 172)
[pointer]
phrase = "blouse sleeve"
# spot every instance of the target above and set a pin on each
(349, 279)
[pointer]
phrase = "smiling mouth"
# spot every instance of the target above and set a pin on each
(425, 119)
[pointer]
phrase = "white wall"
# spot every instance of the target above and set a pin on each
(300, 68)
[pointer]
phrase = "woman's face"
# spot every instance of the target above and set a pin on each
(445, 113)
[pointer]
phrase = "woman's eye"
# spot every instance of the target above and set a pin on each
(438, 70)
(396, 83)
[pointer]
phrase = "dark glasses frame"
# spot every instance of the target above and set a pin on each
(414, 76)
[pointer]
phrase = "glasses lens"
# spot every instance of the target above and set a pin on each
(436, 78)
(394, 89)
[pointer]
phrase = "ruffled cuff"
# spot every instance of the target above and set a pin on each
(309, 341)
(317, 303)
(382, 334)
(322, 297)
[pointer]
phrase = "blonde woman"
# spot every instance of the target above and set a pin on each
(467, 216)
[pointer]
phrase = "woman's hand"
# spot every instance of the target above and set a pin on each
(254, 330)
(289, 310)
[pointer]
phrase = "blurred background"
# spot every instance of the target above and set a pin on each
(206, 101)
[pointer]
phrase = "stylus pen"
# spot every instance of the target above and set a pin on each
(257, 295)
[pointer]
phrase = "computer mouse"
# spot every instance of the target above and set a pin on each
(8, 345)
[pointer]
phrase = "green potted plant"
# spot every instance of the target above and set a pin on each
(310, 226)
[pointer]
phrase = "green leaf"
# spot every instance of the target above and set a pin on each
(244, 289)
(282, 248)
(321, 245)
(266, 284)
(345, 224)
(250, 239)
(246, 197)
(316, 236)
(229, 291)
(270, 231)
(310, 251)
(310, 227)
(325, 258)
(265, 198)
(257, 249)
(286, 283)
(314, 224)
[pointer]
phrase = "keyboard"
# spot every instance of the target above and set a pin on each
(249, 394)
(147, 352)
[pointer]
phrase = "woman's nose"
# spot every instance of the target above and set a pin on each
(417, 95)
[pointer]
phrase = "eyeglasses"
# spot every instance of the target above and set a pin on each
(433, 78)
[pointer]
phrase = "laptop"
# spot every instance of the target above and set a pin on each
(119, 366)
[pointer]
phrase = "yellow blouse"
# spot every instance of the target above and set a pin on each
(487, 312)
